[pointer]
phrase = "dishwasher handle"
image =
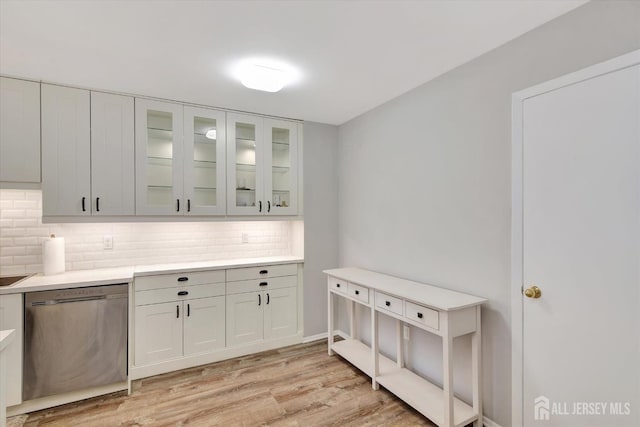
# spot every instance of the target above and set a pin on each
(68, 300)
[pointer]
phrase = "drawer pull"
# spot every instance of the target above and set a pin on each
(264, 271)
(183, 279)
(419, 315)
(264, 283)
(183, 293)
(337, 285)
(357, 292)
(387, 303)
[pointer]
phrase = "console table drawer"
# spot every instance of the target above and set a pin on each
(388, 303)
(359, 292)
(421, 314)
(338, 285)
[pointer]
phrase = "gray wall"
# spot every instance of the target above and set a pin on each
(424, 188)
(320, 220)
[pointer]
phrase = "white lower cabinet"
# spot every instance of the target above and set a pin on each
(203, 325)
(158, 333)
(256, 316)
(11, 318)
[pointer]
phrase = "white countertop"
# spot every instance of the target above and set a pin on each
(6, 337)
(432, 296)
(108, 276)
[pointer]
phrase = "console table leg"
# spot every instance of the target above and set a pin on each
(374, 349)
(447, 371)
(330, 323)
(476, 368)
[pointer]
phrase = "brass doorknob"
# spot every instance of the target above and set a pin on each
(533, 292)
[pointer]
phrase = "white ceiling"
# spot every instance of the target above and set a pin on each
(352, 55)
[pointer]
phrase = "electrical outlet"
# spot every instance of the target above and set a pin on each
(406, 332)
(107, 242)
(245, 237)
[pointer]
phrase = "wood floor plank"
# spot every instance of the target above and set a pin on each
(297, 386)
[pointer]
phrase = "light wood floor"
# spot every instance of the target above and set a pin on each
(294, 386)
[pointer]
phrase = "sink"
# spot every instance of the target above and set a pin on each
(8, 281)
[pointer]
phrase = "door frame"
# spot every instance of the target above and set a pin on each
(517, 122)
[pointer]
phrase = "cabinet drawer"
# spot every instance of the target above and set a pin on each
(338, 285)
(389, 303)
(156, 296)
(423, 315)
(359, 292)
(243, 286)
(160, 281)
(266, 271)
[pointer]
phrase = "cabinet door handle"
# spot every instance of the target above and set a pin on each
(83, 207)
(268, 206)
(419, 315)
(259, 300)
(264, 283)
(97, 204)
(183, 293)
(387, 303)
(264, 271)
(188, 205)
(178, 203)
(188, 310)
(267, 298)
(183, 279)
(357, 292)
(177, 311)
(260, 206)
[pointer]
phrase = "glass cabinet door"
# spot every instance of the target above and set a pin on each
(158, 158)
(245, 147)
(204, 161)
(281, 184)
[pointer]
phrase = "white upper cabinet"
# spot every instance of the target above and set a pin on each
(19, 130)
(204, 161)
(87, 148)
(262, 166)
(112, 154)
(66, 133)
(159, 153)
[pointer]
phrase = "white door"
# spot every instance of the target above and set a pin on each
(204, 161)
(19, 130)
(281, 167)
(280, 313)
(581, 247)
(159, 150)
(245, 318)
(245, 165)
(66, 147)
(112, 155)
(158, 332)
(204, 325)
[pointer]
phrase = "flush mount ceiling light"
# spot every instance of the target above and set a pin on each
(211, 134)
(267, 75)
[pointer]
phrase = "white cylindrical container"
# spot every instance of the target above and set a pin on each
(53, 255)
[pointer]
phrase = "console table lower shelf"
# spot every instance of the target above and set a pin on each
(424, 396)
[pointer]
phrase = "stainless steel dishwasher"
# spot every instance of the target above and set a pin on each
(74, 339)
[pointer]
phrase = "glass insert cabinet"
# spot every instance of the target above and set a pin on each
(180, 166)
(199, 161)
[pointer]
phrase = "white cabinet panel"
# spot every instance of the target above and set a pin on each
(204, 325)
(19, 130)
(280, 313)
(112, 154)
(158, 332)
(66, 176)
(281, 167)
(11, 308)
(244, 318)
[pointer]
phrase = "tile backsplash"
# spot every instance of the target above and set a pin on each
(22, 232)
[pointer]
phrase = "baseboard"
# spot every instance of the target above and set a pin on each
(323, 336)
(489, 423)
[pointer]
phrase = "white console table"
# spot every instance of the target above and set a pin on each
(442, 312)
